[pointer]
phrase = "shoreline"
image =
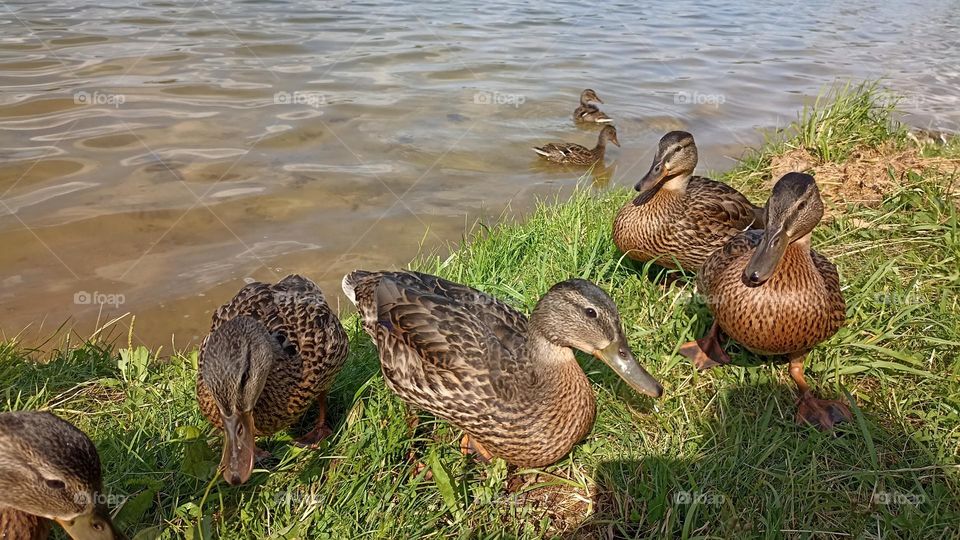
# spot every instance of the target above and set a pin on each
(720, 453)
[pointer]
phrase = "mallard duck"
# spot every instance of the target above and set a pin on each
(587, 111)
(271, 352)
(774, 295)
(49, 470)
(574, 154)
(679, 219)
(512, 384)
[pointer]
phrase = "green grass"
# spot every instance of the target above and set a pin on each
(719, 456)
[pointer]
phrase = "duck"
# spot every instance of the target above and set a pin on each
(575, 154)
(773, 294)
(679, 219)
(587, 112)
(272, 351)
(50, 472)
(511, 383)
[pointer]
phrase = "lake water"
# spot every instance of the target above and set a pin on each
(153, 158)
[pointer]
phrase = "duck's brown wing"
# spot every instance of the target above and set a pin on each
(508, 325)
(564, 152)
(296, 313)
(294, 310)
(716, 203)
(831, 278)
(445, 347)
(743, 242)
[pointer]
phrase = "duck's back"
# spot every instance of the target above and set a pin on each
(296, 313)
(682, 229)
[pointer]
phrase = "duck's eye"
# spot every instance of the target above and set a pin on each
(592, 313)
(97, 526)
(55, 484)
(802, 205)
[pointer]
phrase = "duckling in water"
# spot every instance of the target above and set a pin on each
(587, 112)
(575, 154)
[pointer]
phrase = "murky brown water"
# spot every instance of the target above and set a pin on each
(152, 158)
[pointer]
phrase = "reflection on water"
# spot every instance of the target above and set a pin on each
(162, 154)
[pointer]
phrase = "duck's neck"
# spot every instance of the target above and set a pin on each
(563, 383)
(678, 183)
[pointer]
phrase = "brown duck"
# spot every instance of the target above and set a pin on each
(271, 352)
(774, 295)
(512, 384)
(575, 154)
(49, 471)
(679, 219)
(587, 112)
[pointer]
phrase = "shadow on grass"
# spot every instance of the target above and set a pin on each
(751, 472)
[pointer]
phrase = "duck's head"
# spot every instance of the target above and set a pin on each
(792, 212)
(588, 96)
(579, 315)
(673, 164)
(51, 469)
(608, 134)
(238, 357)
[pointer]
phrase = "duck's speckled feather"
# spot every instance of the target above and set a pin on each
(683, 228)
(295, 311)
(800, 306)
(459, 353)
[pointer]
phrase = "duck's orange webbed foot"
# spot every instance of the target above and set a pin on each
(822, 414)
(469, 445)
(321, 429)
(706, 352)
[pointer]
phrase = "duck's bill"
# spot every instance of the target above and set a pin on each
(93, 526)
(620, 358)
(765, 258)
(238, 448)
(653, 179)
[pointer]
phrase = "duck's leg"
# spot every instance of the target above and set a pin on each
(823, 414)
(321, 430)
(706, 352)
(469, 445)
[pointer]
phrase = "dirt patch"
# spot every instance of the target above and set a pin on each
(566, 506)
(866, 176)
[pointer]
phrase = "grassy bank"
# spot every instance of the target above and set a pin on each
(718, 456)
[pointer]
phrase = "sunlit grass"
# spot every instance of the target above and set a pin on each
(718, 456)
